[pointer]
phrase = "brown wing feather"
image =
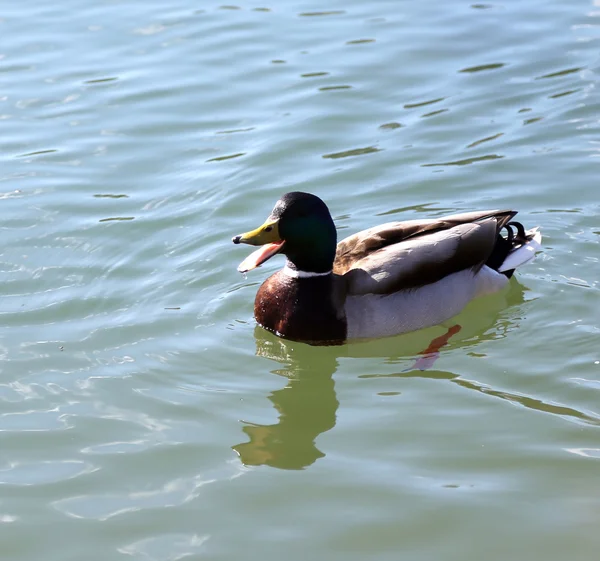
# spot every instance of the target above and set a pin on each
(360, 245)
(423, 259)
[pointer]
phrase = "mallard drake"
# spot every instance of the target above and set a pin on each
(387, 280)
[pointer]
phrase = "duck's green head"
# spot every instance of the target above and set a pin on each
(300, 226)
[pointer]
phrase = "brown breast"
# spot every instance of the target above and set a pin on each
(309, 310)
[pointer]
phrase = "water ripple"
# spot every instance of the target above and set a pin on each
(34, 421)
(168, 547)
(561, 73)
(486, 139)
(43, 473)
(352, 153)
(423, 103)
(466, 161)
(483, 67)
(102, 507)
(325, 13)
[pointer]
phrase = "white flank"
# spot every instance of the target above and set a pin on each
(378, 315)
(524, 254)
(297, 274)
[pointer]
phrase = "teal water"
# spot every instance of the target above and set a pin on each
(144, 416)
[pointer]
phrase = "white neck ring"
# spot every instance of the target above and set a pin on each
(298, 274)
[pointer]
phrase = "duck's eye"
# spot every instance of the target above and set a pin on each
(268, 228)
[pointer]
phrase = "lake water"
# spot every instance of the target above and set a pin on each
(144, 416)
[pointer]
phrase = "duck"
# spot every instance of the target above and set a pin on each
(387, 280)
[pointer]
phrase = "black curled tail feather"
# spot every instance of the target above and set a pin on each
(504, 245)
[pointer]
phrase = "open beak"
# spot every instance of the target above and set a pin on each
(266, 236)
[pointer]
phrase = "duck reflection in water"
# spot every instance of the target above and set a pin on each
(308, 405)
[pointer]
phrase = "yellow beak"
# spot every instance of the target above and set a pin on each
(268, 236)
(267, 233)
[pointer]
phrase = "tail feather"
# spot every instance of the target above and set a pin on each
(523, 253)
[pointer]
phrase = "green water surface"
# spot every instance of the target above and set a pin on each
(144, 416)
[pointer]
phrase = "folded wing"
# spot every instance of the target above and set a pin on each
(404, 255)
